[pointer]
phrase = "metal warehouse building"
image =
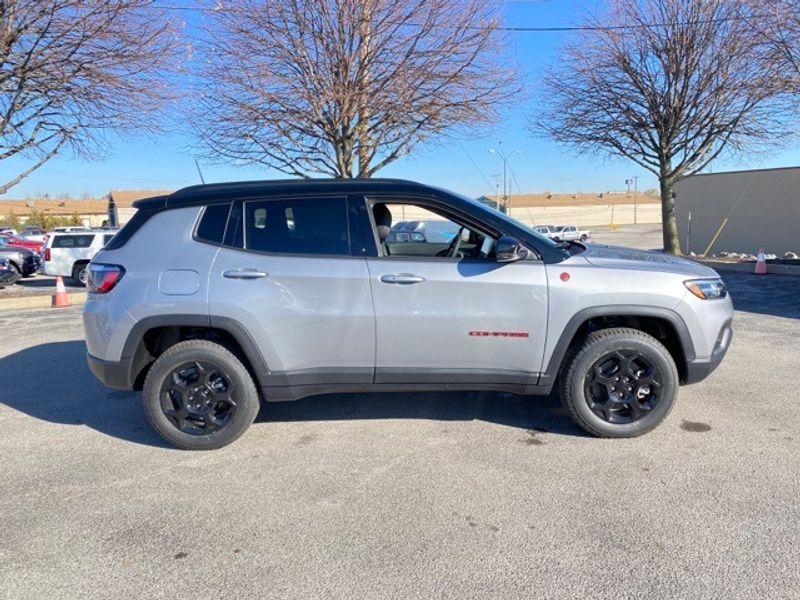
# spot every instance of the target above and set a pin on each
(740, 211)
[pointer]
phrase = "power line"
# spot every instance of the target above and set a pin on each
(518, 29)
(477, 168)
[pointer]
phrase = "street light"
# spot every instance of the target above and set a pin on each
(505, 158)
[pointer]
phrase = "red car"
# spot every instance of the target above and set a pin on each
(6, 239)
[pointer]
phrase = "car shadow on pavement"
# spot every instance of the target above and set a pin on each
(52, 382)
(533, 413)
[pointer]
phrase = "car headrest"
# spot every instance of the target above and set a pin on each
(383, 220)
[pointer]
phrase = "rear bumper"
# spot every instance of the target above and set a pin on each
(114, 374)
(697, 370)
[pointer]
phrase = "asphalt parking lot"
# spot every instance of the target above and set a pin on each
(454, 495)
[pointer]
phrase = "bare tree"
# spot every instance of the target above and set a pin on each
(668, 84)
(345, 87)
(72, 70)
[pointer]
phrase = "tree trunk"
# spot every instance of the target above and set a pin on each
(669, 224)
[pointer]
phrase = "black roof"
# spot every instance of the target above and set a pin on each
(221, 192)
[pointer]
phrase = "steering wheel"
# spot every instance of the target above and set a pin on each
(452, 251)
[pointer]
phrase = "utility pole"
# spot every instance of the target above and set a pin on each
(635, 198)
(505, 158)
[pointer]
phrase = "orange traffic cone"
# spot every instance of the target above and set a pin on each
(761, 263)
(60, 298)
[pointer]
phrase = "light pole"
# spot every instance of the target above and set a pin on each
(505, 158)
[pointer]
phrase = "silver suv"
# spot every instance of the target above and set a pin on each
(217, 296)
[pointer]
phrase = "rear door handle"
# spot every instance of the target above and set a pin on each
(244, 274)
(401, 278)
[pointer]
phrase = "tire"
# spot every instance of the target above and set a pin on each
(182, 430)
(583, 237)
(585, 378)
(17, 275)
(79, 273)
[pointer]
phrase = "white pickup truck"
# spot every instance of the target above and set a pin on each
(68, 254)
(569, 233)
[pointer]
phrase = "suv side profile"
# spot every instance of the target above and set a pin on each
(218, 296)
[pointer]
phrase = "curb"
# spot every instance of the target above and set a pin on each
(38, 301)
(748, 267)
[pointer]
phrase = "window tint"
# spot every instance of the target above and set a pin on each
(73, 241)
(297, 226)
(212, 224)
(107, 238)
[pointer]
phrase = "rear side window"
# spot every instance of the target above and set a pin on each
(212, 224)
(73, 241)
(107, 238)
(297, 226)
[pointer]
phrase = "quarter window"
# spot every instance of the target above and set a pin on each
(297, 226)
(212, 224)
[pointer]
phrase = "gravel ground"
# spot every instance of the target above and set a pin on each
(404, 496)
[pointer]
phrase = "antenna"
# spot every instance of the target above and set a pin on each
(199, 172)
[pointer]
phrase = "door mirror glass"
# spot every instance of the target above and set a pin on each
(509, 249)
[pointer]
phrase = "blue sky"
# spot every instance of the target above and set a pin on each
(164, 162)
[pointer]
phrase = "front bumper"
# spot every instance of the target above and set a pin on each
(697, 370)
(114, 374)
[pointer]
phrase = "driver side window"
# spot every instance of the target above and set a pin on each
(406, 230)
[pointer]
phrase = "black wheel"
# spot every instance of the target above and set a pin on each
(621, 383)
(199, 396)
(583, 237)
(79, 273)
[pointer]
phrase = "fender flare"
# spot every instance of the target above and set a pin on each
(613, 310)
(134, 352)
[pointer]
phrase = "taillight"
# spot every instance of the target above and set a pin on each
(102, 278)
(47, 253)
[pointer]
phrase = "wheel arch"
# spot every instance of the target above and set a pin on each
(151, 336)
(664, 324)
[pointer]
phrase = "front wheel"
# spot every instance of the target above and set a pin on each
(199, 396)
(621, 383)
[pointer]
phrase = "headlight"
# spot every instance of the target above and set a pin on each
(706, 289)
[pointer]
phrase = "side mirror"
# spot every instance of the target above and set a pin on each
(509, 249)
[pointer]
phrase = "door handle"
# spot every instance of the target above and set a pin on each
(244, 274)
(401, 278)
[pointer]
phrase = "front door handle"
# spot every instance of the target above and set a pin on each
(401, 278)
(244, 274)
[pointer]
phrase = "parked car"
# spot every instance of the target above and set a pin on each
(545, 230)
(569, 233)
(7, 239)
(8, 275)
(74, 229)
(214, 291)
(417, 237)
(68, 254)
(32, 233)
(9, 231)
(24, 261)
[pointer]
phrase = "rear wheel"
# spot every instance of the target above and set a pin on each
(621, 383)
(199, 396)
(17, 273)
(583, 237)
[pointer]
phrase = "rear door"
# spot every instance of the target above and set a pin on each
(462, 319)
(287, 273)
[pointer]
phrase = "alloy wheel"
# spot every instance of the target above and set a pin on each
(623, 386)
(198, 398)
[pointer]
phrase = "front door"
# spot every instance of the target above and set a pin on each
(446, 311)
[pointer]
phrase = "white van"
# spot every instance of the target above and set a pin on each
(67, 254)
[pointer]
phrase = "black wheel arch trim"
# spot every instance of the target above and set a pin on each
(616, 310)
(138, 357)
